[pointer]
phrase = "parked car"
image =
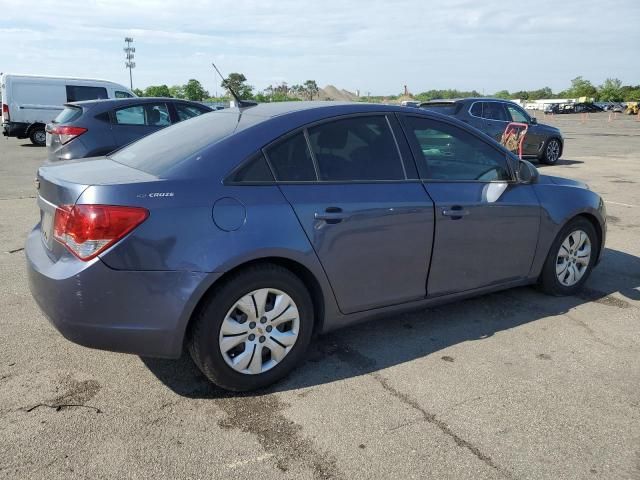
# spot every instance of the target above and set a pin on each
(551, 108)
(543, 142)
(29, 102)
(587, 108)
(94, 128)
(240, 234)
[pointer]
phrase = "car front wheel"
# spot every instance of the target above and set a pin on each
(571, 258)
(254, 329)
(551, 152)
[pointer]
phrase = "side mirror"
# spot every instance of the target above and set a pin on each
(527, 173)
(534, 121)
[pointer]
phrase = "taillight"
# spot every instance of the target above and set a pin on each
(66, 133)
(5, 112)
(88, 230)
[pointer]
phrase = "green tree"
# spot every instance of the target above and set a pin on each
(502, 94)
(193, 90)
(157, 91)
(139, 92)
(238, 82)
(310, 89)
(177, 91)
(581, 88)
(611, 90)
(544, 92)
(630, 93)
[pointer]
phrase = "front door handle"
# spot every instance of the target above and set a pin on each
(331, 215)
(456, 212)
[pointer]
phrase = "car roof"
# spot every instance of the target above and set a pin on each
(127, 101)
(467, 99)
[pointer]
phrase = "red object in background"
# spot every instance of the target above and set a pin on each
(516, 128)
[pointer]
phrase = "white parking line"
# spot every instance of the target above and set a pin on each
(618, 203)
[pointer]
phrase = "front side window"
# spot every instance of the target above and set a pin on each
(186, 111)
(120, 94)
(77, 93)
(517, 115)
(494, 111)
(150, 114)
(452, 154)
(291, 160)
(358, 148)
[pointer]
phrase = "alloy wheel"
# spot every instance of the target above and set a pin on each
(259, 331)
(553, 151)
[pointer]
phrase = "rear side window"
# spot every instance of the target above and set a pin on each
(186, 111)
(121, 94)
(77, 93)
(68, 114)
(291, 160)
(150, 114)
(255, 170)
(443, 108)
(476, 109)
(359, 148)
(494, 111)
(452, 154)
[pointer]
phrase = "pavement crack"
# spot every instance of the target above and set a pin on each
(441, 425)
(15, 250)
(62, 406)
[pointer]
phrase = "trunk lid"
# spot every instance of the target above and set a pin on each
(64, 183)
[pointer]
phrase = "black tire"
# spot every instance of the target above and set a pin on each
(549, 282)
(551, 152)
(204, 333)
(37, 135)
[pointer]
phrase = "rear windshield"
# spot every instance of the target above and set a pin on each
(69, 114)
(443, 108)
(162, 151)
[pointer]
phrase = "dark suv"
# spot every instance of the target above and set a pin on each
(490, 115)
(98, 127)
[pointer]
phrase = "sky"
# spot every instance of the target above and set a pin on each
(371, 46)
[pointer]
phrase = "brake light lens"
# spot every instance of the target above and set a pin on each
(5, 112)
(66, 133)
(88, 230)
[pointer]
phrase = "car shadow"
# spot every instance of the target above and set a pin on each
(30, 145)
(561, 161)
(378, 344)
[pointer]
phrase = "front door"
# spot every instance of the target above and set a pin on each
(370, 226)
(534, 139)
(486, 224)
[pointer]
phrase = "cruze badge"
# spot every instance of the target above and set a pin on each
(155, 194)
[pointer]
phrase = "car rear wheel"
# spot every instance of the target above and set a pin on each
(551, 152)
(571, 259)
(38, 136)
(254, 329)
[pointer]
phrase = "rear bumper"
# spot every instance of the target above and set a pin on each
(15, 129)
(140, 312)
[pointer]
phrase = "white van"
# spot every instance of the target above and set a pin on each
(29, 102)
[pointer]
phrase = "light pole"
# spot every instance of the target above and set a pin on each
(129, 55)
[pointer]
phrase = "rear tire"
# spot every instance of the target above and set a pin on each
(552, 151)
(222, 319)
(38, 136)
(571, 259)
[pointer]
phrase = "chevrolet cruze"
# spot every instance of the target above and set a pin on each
(240, 234)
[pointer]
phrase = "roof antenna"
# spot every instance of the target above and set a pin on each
(240, 103)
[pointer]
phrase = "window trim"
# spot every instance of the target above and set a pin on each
(421, 165)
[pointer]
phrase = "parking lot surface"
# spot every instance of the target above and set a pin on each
(510, 385)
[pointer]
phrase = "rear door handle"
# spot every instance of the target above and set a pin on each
(456, 212)
(331, 215)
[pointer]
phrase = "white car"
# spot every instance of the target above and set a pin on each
(29, 102)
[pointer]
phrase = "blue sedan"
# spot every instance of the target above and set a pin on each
(242, 233)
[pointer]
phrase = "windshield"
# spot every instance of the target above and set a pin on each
(162, 151)
(69, 114)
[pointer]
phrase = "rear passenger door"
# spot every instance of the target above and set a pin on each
(495, 119)
(365, 213)
(136, 121)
